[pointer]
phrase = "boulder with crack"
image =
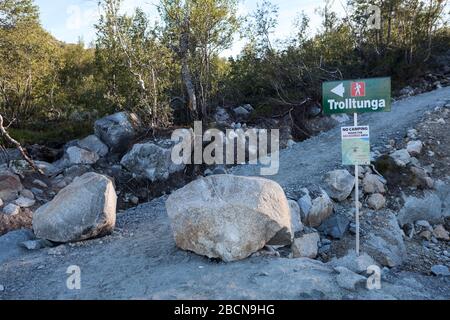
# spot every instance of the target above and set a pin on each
(229, 217)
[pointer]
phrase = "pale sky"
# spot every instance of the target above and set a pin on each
(69, 20)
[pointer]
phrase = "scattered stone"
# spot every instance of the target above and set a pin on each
(414, 148)
(306, 246)
(376, 201)
(11, 209)
(10, 186)
(440, 233)
(426, 235)
(84, 209)
(134, 200)
(57, 251)
(94, 144)
(401, 157)
(419, 178)
(2, 288)
(1, 203)
(40, 183)
(241, 112)
(340, 118)
(351, 261)
(412, 134)
(441, 121)
(221, 116)
(77, 155)
(348, 279)
(152, 161)
(423, 225)
(296, 221)
(428, 208)
(36, 244)
(10, 244)
(339, 184)
(373, 184)
(229, 217)
(25, 202)
(315, 206)
(440, 270)
(117, 131)
(335, 226)
(27, 194)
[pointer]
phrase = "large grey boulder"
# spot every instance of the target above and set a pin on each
(428, 208)
(315, 206)
(339, 184)
(84, 209)
(229, 217)
(152, 160)
(94, 144)
(117, 131)
(384, 242)
(10, 186)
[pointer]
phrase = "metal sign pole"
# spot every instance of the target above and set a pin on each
(357, 196)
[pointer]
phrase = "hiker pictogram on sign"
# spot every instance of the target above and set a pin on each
(358, 89)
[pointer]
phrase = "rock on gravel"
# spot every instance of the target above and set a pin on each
(306, 246)
(373, 184)
(401, 157)
(339, 184)
(78, 155)
(11, 209)
(94, 144)
(315, 206)
(440, 270)
(296, 221)
(351, 261)
(385, 241)
(24, 202)
(428, 208)
(335, 226)
(84, 209)
(229, 217)
(376, 201)
(349, 280)
(414, 148)
(10, 186)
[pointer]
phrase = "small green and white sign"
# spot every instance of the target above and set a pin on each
(357, 96)
(355, 145)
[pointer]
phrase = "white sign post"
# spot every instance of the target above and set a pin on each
(356, 151)
(357, 196)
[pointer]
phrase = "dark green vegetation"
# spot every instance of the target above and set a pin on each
(52, 91)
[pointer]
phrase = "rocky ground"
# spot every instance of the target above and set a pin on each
(404, 201)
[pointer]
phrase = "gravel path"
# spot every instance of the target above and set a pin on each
(140, 259)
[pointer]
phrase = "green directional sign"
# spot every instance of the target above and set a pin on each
(357, 96)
